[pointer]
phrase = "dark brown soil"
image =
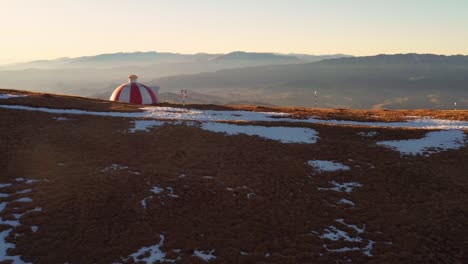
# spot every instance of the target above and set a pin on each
(414, 208)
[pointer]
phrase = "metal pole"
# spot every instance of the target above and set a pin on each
(315, 98)
(183, 94)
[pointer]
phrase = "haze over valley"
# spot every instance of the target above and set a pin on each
(406, 81)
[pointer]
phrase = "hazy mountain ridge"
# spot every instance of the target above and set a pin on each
(360, 82)
(112, 60)
(258, 56)
(408, 59)
(90, 75)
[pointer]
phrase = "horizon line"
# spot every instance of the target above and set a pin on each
(208, 53)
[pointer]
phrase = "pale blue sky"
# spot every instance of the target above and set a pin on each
(45, 29)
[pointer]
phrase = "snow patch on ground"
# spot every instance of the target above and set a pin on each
(8, 96)
(145, 125)
(251, 196)
(341, 231)
(370, 134)
(18, 216)
(342, 187)
(114, 167)
(422, 123)
(355, 227)
(343, 249)
(144, 202)
(335, 234)
(31, 181)
(433, 142)
(208, 256)
(75, 111)
(12, 223)
(150, 254)
(61, 118)
(368, 249)
(171, 192)
(157, 190)
(282, 134)
(4, 245)
(169, 113)
(23, 200)
(327, 166)
(154, 254)
(212, 115)
(24, 191)
(346, 201)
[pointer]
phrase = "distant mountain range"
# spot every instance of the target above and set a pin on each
(86, 75)
(138, 59)
(383, 81)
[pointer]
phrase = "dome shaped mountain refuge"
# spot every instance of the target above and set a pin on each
(135, 93)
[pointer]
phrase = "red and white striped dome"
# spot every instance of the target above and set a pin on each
(135, 93)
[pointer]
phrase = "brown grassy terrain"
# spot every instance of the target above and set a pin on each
(414, 208)
(73, 102)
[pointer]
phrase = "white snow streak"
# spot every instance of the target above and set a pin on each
(30, 181)
(4, 245)
(144, 204)
(145, 125)
(157, 190)
(154, 254)
(205, 256)
(114, 167)
(342, 187)
(282, 134)
(24, 200)
(343, 249)
(327, 166)
(170, 113)
(355, 227)
(335, 234)
(370, 134)
(150, 254)
(24, 191)
(8, 96)
(345, 201)
(367, 250)
(59, 118)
